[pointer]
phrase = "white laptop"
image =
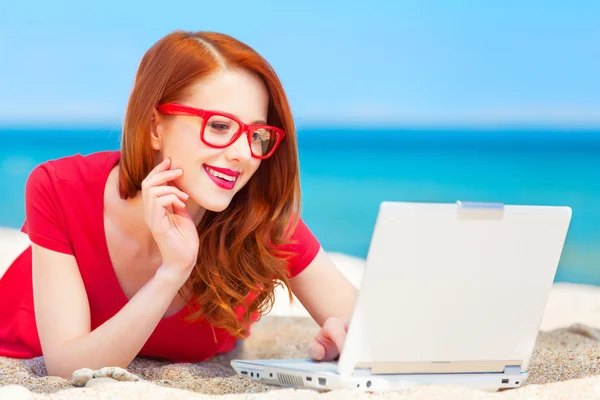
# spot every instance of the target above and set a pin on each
(452, 294)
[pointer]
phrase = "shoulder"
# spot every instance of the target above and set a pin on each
(63, 175)
(76, 168)
(60, 193)
(304, 246)
(300, 231)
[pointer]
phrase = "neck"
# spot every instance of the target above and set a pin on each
(196, 211)
(135, 209)
(132, 214)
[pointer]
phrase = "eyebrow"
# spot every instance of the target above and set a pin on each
(258, 121)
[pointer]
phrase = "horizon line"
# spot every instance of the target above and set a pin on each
(337, 124)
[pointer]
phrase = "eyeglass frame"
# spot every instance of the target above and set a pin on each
(181, 109)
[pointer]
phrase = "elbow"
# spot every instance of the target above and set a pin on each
(61, 360)
(60, 371)
(63, 366)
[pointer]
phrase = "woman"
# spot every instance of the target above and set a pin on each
(172, 246)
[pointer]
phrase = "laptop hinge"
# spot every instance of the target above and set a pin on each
(512, 370)
(472, 210)
(438, 367)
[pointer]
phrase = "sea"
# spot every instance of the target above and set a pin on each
(346, 172)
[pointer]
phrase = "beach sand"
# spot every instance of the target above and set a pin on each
(565, 363)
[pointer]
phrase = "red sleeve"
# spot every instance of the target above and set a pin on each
(45, 222)
(305, 248)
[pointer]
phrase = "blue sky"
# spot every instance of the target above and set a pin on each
(380, 62)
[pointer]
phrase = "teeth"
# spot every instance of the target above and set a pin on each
(220, 175)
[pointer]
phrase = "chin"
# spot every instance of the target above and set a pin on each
(211, 196)
(214, 206)
(212, 200)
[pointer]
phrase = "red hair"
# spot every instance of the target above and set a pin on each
(240, 260)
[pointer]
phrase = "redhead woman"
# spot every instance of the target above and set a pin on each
(172, 246)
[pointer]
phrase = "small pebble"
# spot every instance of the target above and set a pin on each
(116, 373)
(82, 376)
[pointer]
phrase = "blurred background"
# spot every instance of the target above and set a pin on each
(404, 101)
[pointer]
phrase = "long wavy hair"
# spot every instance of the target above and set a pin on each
(242, 255)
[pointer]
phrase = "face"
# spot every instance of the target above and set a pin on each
(211, 176)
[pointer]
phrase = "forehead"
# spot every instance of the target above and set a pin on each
(236, 92)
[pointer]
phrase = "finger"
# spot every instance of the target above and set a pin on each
(158, 191)
(162, 207)
(181, 209)
(333, 336)
(329, 341)
(332, 351)
(316, 351)
(161, 178)
(167, 200)
(162, 166)
(323, 349)
(337, 334)
(179, 204)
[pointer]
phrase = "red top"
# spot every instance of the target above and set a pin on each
(65, 213)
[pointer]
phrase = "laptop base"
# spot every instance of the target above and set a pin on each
(323, 376)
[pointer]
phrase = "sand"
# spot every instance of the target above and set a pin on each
(565, 364)
(562, 363)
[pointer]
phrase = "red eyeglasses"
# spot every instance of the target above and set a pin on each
(220, 130)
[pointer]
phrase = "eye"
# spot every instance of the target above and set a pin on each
(261, 135)
(218, 126)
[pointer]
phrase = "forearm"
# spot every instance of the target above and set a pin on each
(118, 341)
(340, 302)
(325, 300)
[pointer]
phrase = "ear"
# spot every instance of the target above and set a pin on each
(155, 129)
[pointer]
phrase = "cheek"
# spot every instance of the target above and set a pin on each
(189, 148)
(255, 164)
(251, 170)
(182, 153)
(185, 136)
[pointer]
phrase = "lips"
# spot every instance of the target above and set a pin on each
(225, 178)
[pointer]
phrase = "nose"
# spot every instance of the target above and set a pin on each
(239, 150)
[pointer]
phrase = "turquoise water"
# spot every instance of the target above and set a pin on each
(347, 173)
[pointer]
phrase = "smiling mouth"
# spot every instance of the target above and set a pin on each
(221, 175)
(220, 178)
